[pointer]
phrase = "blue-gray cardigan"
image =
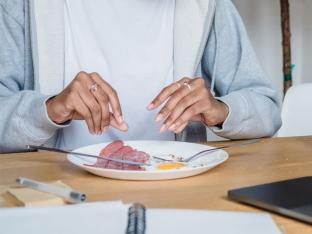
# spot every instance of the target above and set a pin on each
(210, 41)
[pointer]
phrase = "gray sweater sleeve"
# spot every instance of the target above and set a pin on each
(238, 80)
(23, 118)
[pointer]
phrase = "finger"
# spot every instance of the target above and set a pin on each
(181, 128)
(163, 95)
(185, 103)
(103, 101)
(112, 95)
(190, 112)
(81, 85)
(94, 107)
(83, 113)
(176, 97)
(198, 82)
(166, 93)
(114, 123)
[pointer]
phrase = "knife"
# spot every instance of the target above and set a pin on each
(86, 155)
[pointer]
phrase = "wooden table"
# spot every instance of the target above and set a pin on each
(266, 161)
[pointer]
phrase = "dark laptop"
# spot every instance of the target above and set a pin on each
(292, 198)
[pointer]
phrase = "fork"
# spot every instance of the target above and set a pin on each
(203, 153)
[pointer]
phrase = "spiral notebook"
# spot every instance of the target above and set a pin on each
(116, 217)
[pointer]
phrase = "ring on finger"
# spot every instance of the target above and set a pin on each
(188, 85)
(94, 87)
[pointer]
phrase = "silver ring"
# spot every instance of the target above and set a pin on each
(94, 87)
(187, 85)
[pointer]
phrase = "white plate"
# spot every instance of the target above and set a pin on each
(182, 149)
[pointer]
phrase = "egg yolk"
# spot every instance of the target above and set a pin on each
(171, 166)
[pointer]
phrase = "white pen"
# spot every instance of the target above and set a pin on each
(66, 193)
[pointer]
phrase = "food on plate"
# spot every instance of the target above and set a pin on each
(117, 150)
(170, 166)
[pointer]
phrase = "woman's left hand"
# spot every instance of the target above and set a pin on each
(188, 100)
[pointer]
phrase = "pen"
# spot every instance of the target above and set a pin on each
(66, 193)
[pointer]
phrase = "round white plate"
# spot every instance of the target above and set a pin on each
(182, 149)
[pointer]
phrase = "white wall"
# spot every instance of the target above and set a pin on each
(262, 19)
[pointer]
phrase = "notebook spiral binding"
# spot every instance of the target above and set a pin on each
(136, 219)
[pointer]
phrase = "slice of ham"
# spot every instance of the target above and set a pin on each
(111, 148)
(107, 151)
(117, 150)
(119, 154)
(136, 156)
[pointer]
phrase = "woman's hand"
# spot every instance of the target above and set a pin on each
(88, 98)
(188, 100)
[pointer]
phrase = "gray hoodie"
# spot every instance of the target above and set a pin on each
(210, 41)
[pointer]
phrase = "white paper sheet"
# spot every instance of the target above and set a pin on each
(93, 218)
(168, 221)
(111, 218)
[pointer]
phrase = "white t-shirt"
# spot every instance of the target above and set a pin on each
(130, 44)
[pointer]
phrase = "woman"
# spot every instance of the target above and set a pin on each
(130, 70)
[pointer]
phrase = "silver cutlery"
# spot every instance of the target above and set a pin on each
(86, 155)
(204, 152)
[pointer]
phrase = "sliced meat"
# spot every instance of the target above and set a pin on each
(107, 151)
(111, 148)
(117, 150)
(135, 156)
(131, 157)
(142, 156)
(119, 154)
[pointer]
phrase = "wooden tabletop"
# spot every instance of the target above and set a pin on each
(267, 161)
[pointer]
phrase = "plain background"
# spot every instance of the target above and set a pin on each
(262, 19)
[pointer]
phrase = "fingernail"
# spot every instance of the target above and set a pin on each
(105, 129)
(120, 119)
(172, 127)
(150, 106)
(159, 118)
(163, 128)
(125, 126)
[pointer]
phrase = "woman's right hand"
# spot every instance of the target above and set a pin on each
(88, 98)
